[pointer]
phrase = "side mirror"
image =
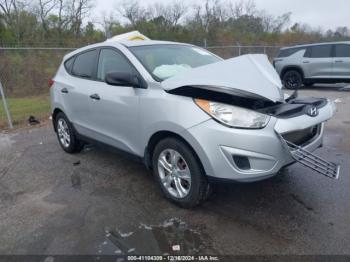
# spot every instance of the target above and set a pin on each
(124, 79)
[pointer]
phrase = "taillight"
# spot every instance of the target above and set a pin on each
(51, 82)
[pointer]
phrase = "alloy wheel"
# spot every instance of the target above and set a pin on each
(63, 132)
(174, 173)
(292, 81)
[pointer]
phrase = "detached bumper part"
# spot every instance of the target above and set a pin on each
(313, 161)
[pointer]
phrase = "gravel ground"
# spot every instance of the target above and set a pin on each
(99, 202)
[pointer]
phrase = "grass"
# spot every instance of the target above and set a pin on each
(22, 108)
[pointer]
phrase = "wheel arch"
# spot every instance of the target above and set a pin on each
(160, 135)
(292, 67)
(55, 112)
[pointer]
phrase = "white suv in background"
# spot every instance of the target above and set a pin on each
(315, 63)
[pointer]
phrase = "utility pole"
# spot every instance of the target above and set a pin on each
(2, 94)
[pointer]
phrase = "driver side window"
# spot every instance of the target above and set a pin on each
(112, 61)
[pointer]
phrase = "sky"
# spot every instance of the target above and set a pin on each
(327, 14)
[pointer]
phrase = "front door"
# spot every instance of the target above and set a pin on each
(114, 109)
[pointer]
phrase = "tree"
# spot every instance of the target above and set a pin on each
(133, 12)
(79, 9)
(44, 9)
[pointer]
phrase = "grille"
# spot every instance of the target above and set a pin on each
(302, 137)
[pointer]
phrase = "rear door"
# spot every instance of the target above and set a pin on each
(76, 89)
(318, 62)
(114, 109)
(342, 61)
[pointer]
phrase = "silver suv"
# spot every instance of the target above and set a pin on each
(187, 114)
(316, 63)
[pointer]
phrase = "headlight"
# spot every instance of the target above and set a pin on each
(233, 116)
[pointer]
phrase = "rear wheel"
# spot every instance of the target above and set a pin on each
(179, 173)
(292, 79)
(66, 135)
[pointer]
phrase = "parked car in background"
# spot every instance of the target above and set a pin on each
(189, 115)
(315, 63)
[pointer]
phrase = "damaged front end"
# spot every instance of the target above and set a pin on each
(312, 161)
(250, 82)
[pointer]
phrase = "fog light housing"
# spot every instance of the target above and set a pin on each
(242, 162)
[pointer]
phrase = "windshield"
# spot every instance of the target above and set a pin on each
(164, 61)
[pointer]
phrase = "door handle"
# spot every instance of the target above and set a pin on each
(306, 62)
(95, 97)
(339, 61)
(64, 90)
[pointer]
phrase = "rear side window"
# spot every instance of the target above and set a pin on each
(112, 61)
(342, 50)
(68, 64)
(289, 51)
(84, 64)
(320, 51)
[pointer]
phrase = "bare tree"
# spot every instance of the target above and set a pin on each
(12, 10)
(132, 11)
(7, 7)
(274, 24)
(238, 9)
(44, 8)
(172, 13)
(342, 31)
(79, 9)
(209, 13)
(108, 21)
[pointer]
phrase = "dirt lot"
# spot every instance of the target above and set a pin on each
(97, 202)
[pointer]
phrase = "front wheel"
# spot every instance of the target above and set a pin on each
(179, 173)
(292, 80)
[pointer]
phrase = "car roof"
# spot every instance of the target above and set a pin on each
(315, 44)
(148, 42)
(123, 42)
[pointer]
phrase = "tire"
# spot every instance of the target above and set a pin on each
(195, 189)
(292, 79)
(66, 135)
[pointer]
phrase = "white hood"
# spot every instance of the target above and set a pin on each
(251, 74)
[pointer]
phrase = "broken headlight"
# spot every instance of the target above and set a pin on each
(233, 116)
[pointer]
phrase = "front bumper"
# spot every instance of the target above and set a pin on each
(224, 151)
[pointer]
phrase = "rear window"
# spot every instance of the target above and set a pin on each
(342, 50)
(320, 51)
(289, 51)
(84, 64)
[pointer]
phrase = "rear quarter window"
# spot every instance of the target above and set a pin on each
(69, 64)
(289, 51)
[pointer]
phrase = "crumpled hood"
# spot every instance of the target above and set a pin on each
(248, 74)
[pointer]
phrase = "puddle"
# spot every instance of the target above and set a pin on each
(172, 237)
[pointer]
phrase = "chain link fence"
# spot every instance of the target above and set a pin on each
(233, 51)
(24, 75)
(25, 72)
